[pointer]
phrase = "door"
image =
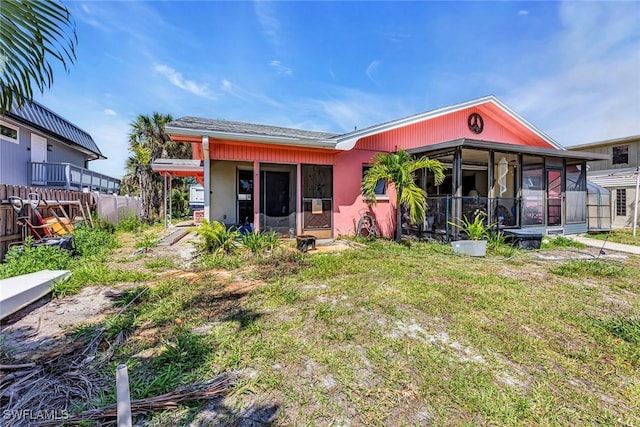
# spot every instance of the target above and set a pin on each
(275, 201)
(38, 156)
(554, 197)
(245, 197)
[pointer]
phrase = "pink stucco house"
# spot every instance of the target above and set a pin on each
(308, 182)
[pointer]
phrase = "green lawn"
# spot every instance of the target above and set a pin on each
(395, 335)
(383, 334)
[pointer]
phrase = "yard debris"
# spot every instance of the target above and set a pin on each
(198, 391)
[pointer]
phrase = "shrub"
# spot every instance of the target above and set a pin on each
(217, 238)
(93, 242)
(131, 224)
(30, 258)
(257, 242)
(475, 229)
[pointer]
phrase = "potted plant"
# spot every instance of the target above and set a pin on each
(477, 235)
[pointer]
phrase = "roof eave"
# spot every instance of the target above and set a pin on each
(248, 137)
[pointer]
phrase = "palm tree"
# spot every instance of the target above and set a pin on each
(398, 169)
(148, 141)
(33, 34)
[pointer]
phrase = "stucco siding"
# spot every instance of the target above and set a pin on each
(223, 190)
(348, 202)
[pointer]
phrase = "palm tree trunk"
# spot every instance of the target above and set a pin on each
(398, 219)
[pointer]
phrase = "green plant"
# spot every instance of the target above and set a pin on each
(595, 267)
(399, 169)
(497, 244)
(131, 224)
(93, 242)
(218, 238)
(475, 229)
(560, 242)
(30, 258)
(257, 242)
(147, 241)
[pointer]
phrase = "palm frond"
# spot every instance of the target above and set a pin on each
(33, 34)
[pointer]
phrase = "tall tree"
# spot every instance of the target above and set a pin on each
(399, 169)
(148, 141)
(33, 35)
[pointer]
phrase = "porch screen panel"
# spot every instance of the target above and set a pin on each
(576, 194)
(317, 197)
(533, 191)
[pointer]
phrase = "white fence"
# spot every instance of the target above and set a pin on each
(115, 208)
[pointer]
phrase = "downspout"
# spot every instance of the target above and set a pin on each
(207, 178)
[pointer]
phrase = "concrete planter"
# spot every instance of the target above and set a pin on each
(470, 247)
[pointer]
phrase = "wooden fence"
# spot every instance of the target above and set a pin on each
(10, 231)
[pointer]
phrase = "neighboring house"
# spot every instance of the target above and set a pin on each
(308, 182)
(41, 149)
(618, 174)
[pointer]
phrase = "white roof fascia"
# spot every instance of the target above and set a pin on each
(232, 136)
(348, 141)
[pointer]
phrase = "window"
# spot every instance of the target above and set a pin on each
(8, 133)
(381, 186)
(621, 155)
(621, 202)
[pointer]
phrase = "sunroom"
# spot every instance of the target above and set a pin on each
(517, 187)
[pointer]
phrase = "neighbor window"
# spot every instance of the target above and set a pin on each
(621, 202)
(621, 155)
(9, 133)
(381, 186)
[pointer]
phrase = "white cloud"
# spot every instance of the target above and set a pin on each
(178, 80)
(245, 95)
(591, 90)
(372, 69)
(267, 18)
(346, 109)
(523, 12)
(280, 69)
(110, 112)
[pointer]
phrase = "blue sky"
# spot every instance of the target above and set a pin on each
(570, 68)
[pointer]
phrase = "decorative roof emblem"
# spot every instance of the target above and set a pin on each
(475, 122)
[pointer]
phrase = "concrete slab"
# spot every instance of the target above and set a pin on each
(612, 246)
(20, 291)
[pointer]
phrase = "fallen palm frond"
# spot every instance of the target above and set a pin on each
(68, 375)
(199, 391)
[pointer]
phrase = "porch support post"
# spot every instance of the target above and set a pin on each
(298, 199)
(635, 205)
(256, 196)
(493, 201)
(207, 177)
(170, 208)
(456, 176)
(166, 221)
(519, 192)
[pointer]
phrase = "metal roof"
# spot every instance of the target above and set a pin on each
(231, 127)
(39, 117)
(608, 142)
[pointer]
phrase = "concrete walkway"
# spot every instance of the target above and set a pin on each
(596, 243)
